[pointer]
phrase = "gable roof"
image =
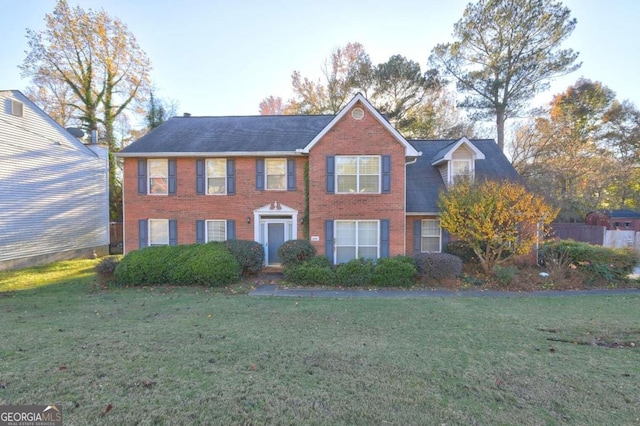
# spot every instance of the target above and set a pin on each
(446, 153)
(236, 135)
(424, 181)
(410, 151)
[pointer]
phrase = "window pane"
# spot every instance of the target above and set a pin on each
(431, 228)
(216, 186)
(368, 234)
(216, 230)
(347, 183)
(345, 254)
(346, 165)
(158, 186)
(158, 232)
(275, 182)
(369, 165)
(158, 168)
(368, 252)
(276, 167)
(217, 168)
(431, 244)
(369, 184)
(345, 233)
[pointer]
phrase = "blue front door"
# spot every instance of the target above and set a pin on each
(275, 238)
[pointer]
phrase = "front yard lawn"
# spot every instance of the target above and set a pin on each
(195, 356)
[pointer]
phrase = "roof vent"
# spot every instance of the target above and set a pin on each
(357, 113)
(187, 114)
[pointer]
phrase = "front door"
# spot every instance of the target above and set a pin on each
(275, 238)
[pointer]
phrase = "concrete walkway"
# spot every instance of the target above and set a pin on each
(272, 290)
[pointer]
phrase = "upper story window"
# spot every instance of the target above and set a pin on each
(217, 176)
(158, 176)
(358, 174)
(276, 171)
(461, 169)
(158, 232)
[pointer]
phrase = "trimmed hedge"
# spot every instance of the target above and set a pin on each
(394, 272)
(249, 255)
(210, 264)
(295, 252)
(597, 262)
(315, 271)
(355, 273)
(438, 266)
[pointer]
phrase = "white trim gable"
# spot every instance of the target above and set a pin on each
(477, 154)
(410, 151)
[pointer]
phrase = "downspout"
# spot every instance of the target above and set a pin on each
(404, 234)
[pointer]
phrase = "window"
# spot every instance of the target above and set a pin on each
(158, 176)
(217, 176)
(216, 230)
(461, 169)
(359, 174)
(355, 239)
(430, 236)
(158, 232)
(276, 173)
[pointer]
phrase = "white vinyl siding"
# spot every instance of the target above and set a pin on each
(158, 176)
(431, 236)
(357, 239)
(276, 170)
(158, 232)
(217, 176)
(358, 174)
(216, 230)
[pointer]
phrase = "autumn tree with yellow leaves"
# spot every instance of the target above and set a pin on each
(499, 220)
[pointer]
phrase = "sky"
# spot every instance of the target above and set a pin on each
(217, 57)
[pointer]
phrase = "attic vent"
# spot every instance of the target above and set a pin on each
(16, 108)
(357, 113)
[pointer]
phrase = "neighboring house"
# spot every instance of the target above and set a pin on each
(54, 196)
(622, 220)
(371, 193)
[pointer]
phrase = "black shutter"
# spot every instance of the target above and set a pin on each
(328, 239)
(231, 229)
(231, 176)
(386, 173)
(260, 174)
(200, 177)
(142, 176)
(417, 236)
(200, 234)
(331, 170)
(143, 233)
(173, 232)
(384, 238)
(291, 174)
(172, 176)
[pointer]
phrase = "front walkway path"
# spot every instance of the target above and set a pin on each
(277, 291)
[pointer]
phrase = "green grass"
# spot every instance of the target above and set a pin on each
(192, 356)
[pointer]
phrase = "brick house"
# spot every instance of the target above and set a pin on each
(369, 193)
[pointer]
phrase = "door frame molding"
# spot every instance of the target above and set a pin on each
(274, 213)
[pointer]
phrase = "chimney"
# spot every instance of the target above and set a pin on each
(94, 137)
(186, 114)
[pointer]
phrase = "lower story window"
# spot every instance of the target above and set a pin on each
(431, 236)
(216, 230)
(356, 239)
(158, 232)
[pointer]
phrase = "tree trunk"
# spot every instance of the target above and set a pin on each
(500, 119)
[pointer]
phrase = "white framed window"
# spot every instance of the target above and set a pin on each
(358, 174)
(431, 236)
(158, 176)
(276, 170)
(216, 230)
(216, 176)
(158, 232)
(461, 169)
(357, 238)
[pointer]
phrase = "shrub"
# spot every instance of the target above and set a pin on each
(208, 264)
(294, 252)
(505, 274)
(597, 262)
(315, 271)
(107, 266)
(355, 273)
(438, 266)
(396, 272)
(463, 250)
(248, 254)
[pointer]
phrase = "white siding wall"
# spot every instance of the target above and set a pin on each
(53, 189)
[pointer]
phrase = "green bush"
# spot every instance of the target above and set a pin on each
(248, 254)
(463, 250)
(597, 262)
(355, 273)
(315, 271)
(208, 264)
(294, 252)
(107, 266)
(394, 272)
(438, 266)
(505, 274)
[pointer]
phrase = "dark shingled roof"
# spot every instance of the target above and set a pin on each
(424, 182)
(260, 133)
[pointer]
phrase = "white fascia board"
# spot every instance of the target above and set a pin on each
(210, 154)
(477, 154)
(423, 213)
(410, 151)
